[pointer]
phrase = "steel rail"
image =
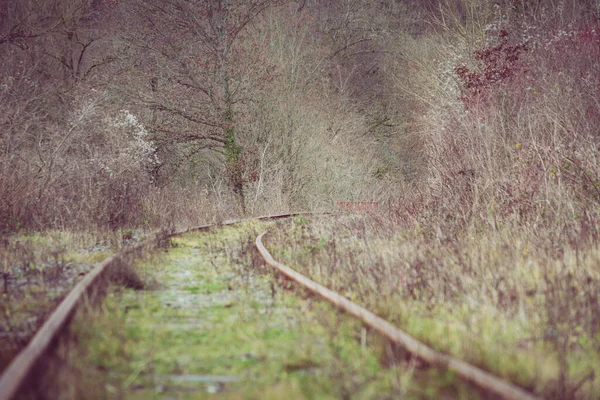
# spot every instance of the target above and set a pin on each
(473, 374)
(15, 375)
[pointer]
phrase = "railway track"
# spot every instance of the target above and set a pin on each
(477, 376)
(17, 373)
(24, 363)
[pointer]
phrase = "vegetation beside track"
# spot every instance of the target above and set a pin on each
(36, 271)
(489, 298)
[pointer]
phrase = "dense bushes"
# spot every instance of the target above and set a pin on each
(99, 128)
(511, 118)
(488, 112)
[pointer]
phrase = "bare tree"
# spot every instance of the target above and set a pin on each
(49, 50)
(191, 73)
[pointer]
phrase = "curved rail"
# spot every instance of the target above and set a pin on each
(22, 365)
(473, 374)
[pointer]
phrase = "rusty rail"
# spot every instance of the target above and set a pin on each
(23, 364)
(473, 374)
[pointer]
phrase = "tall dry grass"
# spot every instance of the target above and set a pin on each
(509, 116)
(503, 300)
(503, 220)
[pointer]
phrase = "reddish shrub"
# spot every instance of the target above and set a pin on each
(496, 65)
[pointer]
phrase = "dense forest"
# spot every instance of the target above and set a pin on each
(125, 113)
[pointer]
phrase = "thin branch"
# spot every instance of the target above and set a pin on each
(348, 46)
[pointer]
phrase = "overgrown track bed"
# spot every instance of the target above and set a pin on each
(219, 324)
(485, 380)
(24, 363)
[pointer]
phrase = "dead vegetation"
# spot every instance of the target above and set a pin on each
(501, 301)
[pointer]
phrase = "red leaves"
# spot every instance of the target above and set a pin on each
(589, 35)
(496, 65)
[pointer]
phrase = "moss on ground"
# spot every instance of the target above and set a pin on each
(218, 327)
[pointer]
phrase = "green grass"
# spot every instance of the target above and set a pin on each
(215, 314)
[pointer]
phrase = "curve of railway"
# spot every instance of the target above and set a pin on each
(15, 376)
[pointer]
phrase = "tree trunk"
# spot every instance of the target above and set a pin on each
(232, 149)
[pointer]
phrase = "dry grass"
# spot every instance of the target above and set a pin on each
(505, 300)
(36, 272)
